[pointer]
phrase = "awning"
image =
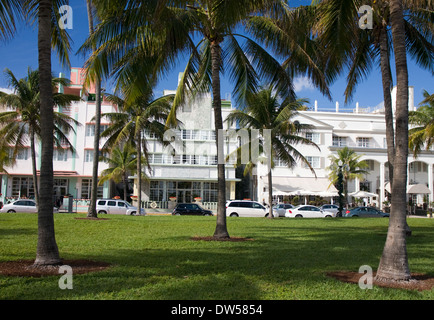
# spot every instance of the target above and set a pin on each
(302, 186)
(363, 194)
(418, 189)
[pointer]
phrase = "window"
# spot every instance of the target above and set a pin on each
(210, 192)
(121, 204)
(22, 187)
(111, 203)
(314, 137)
(156, 191)
(88, 155)
(90, 129)
(60, 155)
(22, 153)
(339, 141)
(363, 142)
(86, 187)
(314, 162)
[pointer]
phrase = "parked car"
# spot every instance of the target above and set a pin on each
(245, 208)
(330, 207)
(279, 209)
(22, 205)
(116, 206)
(307, 211)
(365, 212)
(190, 209)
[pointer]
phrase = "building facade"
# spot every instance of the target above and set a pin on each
(186, 169)
(72, 171)
(364, 131)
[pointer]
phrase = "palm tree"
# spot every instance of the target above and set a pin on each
(169, 36)
(24, 123)
(422, 133)
(96, 141)
(362, 49)
(273, 118)
(9, 11)
(47, 252)
(136, 116)
(393, 264)
(121, 163)
(347, 162)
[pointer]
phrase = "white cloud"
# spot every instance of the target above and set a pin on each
(302, 83)
(6, 90)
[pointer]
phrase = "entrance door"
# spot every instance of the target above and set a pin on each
(60, 189)
(184, 196)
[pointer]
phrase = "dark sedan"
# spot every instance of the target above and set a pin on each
(190, 209)
(368, 212)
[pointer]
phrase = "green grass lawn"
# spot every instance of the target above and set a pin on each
(153, 257)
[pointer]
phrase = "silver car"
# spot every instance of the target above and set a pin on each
(22, 205)
(279, 209)
(116, 206)
(330, 207)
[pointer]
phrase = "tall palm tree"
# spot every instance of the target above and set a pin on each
(393, 264)
(47, 252)
(137, 42)
(128, 125)
(422, 133)
(153, 48)
(348, 162)
(24, 124)
(94, 191)
(122, 162)
(273, 117)
(358, 50)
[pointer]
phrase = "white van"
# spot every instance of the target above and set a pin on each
(115, 206)
(245, 208)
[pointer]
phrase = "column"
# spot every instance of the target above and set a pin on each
(382, 182)
(430, 182)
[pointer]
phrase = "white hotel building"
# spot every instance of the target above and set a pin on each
(187, 169)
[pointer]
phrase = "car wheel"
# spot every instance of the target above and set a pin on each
(11, 211)
(328, 216)
(133, 213)
(299, 216)
(177, 214)
(233, 214)
(102, 212)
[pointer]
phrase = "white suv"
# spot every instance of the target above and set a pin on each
(245, 208)
(115, 206)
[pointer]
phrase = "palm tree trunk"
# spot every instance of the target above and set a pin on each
(94, 192)
(386, 77)
(394, 261)
(270, 191)
(139, 172)
(34, 169)
(221, 228)
(125, 181)
(47, 252)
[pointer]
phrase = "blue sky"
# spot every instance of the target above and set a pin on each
(21, 52)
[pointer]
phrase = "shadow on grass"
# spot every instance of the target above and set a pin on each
(281, 261)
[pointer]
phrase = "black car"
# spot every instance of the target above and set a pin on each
(190, 209)
(365, 212)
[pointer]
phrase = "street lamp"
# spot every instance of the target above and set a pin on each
(340, 186)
